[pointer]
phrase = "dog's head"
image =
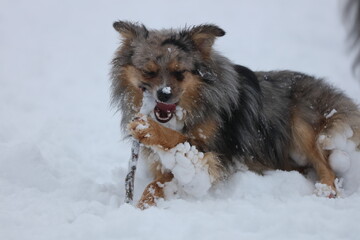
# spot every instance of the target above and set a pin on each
(171, 65)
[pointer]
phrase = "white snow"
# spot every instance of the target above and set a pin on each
(190, 173)
(142, 126)
(323, 190)
(166, 90)
(148, 103)
(330, 114)
(339, 161)
(179, 113)
(339, 139)
(344, 159)
(62, 160)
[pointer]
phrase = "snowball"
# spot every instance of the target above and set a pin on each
(339, 161)
(167, 158)
(186, 148)
(199, 185)
(184, 161)
(184, 170)
(337, 139)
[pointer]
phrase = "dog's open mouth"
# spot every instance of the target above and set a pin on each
(164, 112)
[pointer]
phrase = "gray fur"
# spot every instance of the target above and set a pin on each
(142, 49)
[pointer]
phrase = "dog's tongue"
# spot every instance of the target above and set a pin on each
(164, 112)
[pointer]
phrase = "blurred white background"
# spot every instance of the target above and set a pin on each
(62, 161)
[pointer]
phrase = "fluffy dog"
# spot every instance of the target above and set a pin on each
(266, 120)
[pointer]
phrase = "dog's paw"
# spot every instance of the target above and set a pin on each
(139, 127)
(147, 199)
(324, 190)
(144, 129)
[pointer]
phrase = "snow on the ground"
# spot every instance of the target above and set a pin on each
(62, 158)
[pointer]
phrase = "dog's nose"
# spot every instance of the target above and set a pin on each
(164, 94)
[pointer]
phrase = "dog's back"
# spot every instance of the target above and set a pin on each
(322, 120)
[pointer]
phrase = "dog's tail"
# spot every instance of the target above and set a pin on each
(351, 14)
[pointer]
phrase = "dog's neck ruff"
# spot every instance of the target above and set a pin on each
(164, 112)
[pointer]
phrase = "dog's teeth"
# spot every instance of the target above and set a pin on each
(158, 116)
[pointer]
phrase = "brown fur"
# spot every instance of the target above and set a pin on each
(151, 66)
(130, 76)
(204, 37)
(203, 133)
(214, 166)
(190, 86)
(155, 134)
(154, 191)
(175, 65)
(305, 141)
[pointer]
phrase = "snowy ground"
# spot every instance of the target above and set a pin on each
(62, 160)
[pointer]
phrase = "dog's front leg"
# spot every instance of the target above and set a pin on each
(154, 191)
(151, 133)
(193, 170)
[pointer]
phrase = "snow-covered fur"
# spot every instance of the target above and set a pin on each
(278, 120)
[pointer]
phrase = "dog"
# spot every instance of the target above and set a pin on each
(267, 120)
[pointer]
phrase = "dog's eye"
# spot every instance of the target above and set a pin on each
(149, 74)
(179, 75)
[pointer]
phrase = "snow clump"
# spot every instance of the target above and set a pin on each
(190, 171)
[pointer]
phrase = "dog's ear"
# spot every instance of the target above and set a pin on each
(204, 36)
(130, 31)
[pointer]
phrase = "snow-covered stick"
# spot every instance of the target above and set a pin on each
(130, 177)
(148, 104)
